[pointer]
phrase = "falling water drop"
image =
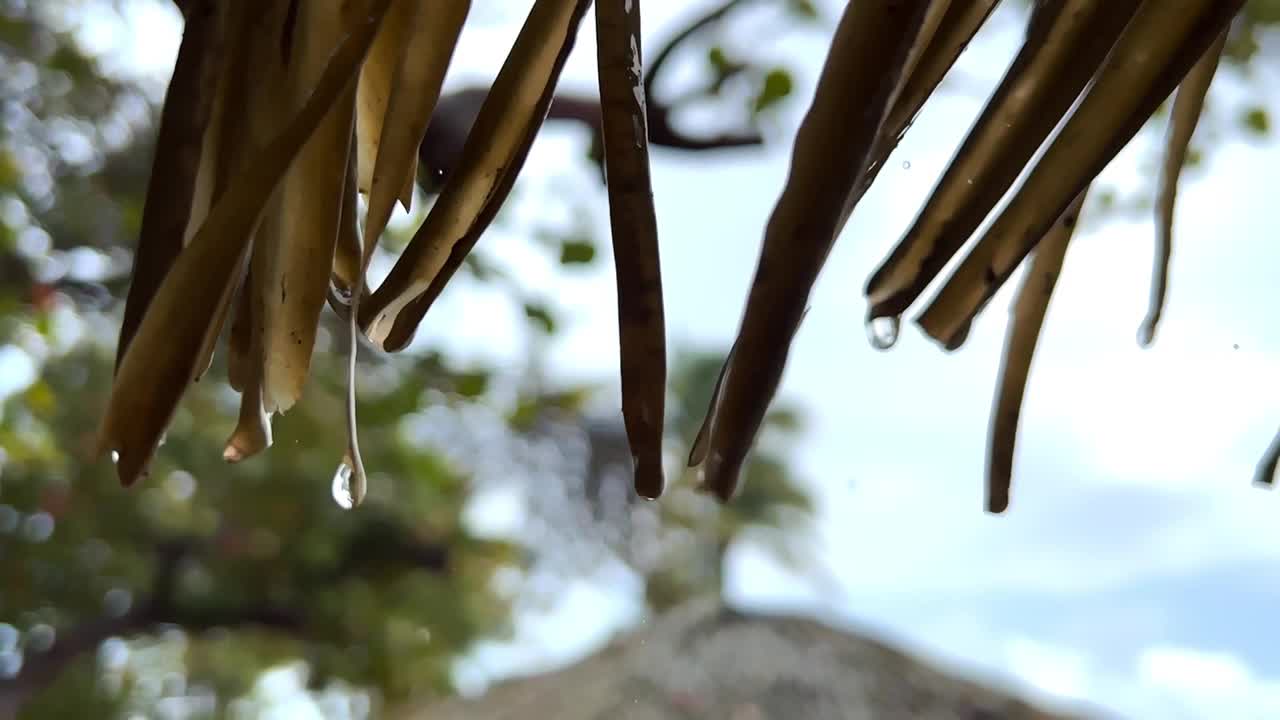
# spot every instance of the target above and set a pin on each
(883, 331)
(342, 493)
(906, 164)
(115, 457)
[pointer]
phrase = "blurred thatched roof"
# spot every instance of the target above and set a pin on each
(708, 661)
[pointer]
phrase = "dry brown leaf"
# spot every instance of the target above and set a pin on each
(171, 187)
(1066, 42)
(925, 36)
(377, 82)
(245, 351)
(957, 27)
(492, 156)
(415, 89)
(641, 326)
(1187, 105)
(1156, 50)
(242, 355)
(832, 147)
(299, 263)
(248, 116)
(698, 451)
(1025, 323)
(156, 368)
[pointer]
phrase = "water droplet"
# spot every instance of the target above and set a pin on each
(348, 486)
(115, 457)
(906, 164)
(882, 331)
(342, 487)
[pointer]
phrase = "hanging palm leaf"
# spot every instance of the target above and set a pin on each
(278, 118)
(1187, 107)
(1125, 57)
(165, 354)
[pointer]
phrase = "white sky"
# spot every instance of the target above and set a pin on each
(1137, 568)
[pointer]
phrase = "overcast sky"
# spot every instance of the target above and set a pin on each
(1137, 567)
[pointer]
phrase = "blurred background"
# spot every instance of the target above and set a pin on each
(1136, 571)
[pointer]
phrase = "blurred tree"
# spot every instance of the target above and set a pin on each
(172, 598)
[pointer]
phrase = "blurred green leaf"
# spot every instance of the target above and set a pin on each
(541, 317)
(776, 87)
(472, 384)
(1257, 121)
(577, 252)
(804, 9)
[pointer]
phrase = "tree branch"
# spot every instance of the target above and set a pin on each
(661, 130)
(456, 112)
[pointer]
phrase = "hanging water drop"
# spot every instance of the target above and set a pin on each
(882, 331)
(342, 493)
(115, 457)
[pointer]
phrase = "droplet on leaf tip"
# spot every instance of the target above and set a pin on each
(348, 486)
(882, 331)
(342, 487)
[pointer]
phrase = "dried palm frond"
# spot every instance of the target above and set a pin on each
(1187, 106)
(1026, 318)
(165, 353)
(641, 326)
(832, 150)
(1095, 69)
(278, 119)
